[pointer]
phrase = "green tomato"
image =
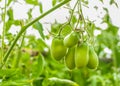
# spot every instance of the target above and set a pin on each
(93, 59)
(81, 55)
(70, 58)
(71, 39)
(55, 28)
(58, 50)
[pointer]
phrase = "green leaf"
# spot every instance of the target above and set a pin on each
(37, 82)
(10, 14)
(113, 2)
(8, 25)
(55, 27)
(117, 54)
(8, 72)
(66, 30)
(38, 26)
(106, 18)
(16, 22)
(101, 1)
(41, 7)
(33, 2)
(9, 1)
(74, 19)
(112, 29)
(29, 13)
(60, 0)
(16, 82)
(54, 2)
(41, 45)
(37, 66)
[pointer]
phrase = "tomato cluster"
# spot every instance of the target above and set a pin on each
(75, 54)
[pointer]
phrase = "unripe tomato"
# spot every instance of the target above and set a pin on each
(58, 50)
(70, 58)
(71, 39)
(93, 59)
(81, 55)
(55, 28)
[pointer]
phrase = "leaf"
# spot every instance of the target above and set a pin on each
(41, 7)
(91, 28)
(41, 45)
(16, 22)
(106, 18)
(8, 72)
(66, 30)
(74, 20)
(29, 13)
(96, 7)
(101, 1)
(10, 14)
(113, 2)
(54, 2)
(112, 29)
(8, 25)
(117, 54)
(37, 66)
(15, 82)
(55, 27)
(60, 0)
(33, 2)
(39, 27)
(9, 1)
(37, 82)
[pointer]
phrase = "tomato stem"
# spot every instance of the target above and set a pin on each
(3, 32)
(69, 22)
(73, 11)
(19, 54)
(23, 29)
(80, 4)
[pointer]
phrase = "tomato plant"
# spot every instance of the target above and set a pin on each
(80, 48)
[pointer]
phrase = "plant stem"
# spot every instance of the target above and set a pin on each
(83, 19)
(29, 24)
(73, 11)
(17, 59)
(3, 32)
(69, 22)
(115, 63)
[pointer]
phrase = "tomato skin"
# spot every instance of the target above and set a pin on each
(93, 59)
(58, 50)
(70, 58)
(81, 55)
(71, 39)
